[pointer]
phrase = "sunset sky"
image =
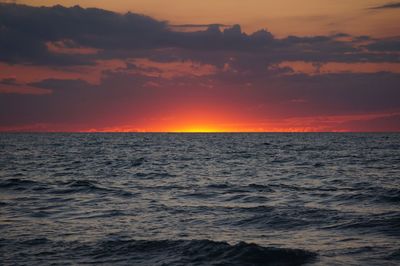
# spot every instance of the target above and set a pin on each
(200, 66)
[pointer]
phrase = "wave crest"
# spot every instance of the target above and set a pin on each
(160, 252)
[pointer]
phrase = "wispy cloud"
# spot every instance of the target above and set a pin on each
(387, 6)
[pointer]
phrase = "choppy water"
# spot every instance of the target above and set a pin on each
(200, 199)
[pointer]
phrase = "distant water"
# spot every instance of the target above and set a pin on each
(200, 199)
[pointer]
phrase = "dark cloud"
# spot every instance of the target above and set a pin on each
(201, 26)
(26, 32)
(387, 6)
(389, 45)
(8, 81)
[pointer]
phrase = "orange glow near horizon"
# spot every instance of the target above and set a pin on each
(207, 118)
(204, 111)
(288, 125)
(198, 129)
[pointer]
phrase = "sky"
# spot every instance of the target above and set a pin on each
(200, 66)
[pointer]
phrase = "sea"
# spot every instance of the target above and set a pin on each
(200, 199)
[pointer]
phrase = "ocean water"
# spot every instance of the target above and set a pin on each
(200, 199)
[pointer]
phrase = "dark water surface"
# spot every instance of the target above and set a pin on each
(200, 199)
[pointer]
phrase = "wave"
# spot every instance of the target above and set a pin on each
(21, 184)
(395, 255)
(138, 162)
(156, 252)
(153, 175)
(387, 223)
(75, 186)
(89, 186)
(241, 188)
(370, 193)
(279, 218)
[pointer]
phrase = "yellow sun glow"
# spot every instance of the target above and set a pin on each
(198, 129)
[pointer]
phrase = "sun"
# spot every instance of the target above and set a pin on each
(198, 129)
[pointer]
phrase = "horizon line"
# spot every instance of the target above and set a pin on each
(183, 132)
